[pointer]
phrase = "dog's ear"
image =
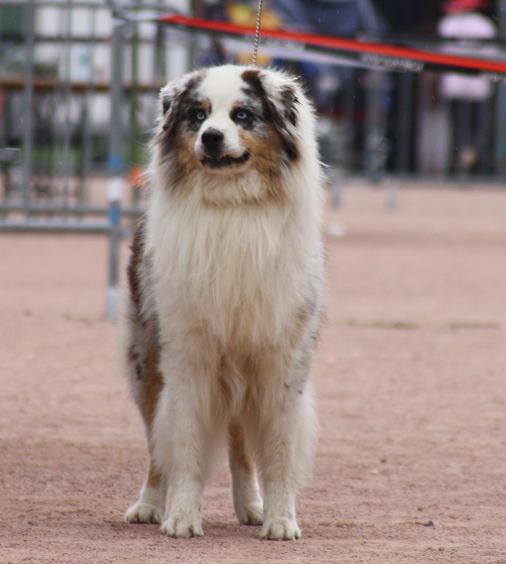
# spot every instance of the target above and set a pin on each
(174, 92)
(166, 100)
(169, 96)
(172, 103)
(279, 95)
(284, 96)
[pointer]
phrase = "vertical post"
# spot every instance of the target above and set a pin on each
(115, 188)
(500, 110)
(197, 11)
(336, 188)
(67, 45)
(87, 104)
(344, 150)
(392, 195)
(134, 105)
(350, 95)
(159, 60)
(404, 109)
(375, 135)
(28, 114)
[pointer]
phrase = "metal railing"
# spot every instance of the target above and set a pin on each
(81, 135)
(62, 169)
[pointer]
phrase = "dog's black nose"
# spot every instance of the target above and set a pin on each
(212, 139)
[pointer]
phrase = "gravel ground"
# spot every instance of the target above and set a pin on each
(410, 375)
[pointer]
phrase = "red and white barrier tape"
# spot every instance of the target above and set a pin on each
(375, 54)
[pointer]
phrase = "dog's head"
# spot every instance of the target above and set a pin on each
(227, 121)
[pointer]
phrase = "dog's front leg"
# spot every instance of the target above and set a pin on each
(287, 433)
(183, 440)
(279, 486)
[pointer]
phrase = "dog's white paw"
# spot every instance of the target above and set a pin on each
(280, 528)
(183, 524)
(250, 513)
(143, 513)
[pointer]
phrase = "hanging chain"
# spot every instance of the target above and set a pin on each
(257, 33)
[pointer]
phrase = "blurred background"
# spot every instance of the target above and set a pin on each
(410, 366)
(58, 59)
(79, 82)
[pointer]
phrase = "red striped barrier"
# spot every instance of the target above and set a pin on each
(371, 53)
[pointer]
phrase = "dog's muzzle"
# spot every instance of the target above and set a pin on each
(213, 143)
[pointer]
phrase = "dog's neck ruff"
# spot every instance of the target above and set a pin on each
(229, 188)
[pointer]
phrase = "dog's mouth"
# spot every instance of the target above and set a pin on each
(224, 162)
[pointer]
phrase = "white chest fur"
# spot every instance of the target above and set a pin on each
(238, 271)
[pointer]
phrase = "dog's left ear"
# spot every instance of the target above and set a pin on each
(286, 101)
(283, 102)
(280, 96)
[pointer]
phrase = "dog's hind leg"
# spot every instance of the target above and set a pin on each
(150, 507)
(147, 384)
(247, 501)
(141, 364)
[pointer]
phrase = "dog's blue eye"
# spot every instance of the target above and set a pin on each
(242, 115)
(197, 115)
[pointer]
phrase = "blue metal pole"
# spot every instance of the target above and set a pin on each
(116, 167)
(28, 103)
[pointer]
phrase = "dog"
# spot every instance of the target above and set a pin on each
(225, 295)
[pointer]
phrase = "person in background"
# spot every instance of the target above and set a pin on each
(213, 51)
(328, 17)
(210, 50)
(345, 18)
(468, 96)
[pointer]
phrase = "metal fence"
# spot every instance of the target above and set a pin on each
(78, 88)
(72, 140)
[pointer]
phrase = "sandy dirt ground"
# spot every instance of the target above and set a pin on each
(410, 375)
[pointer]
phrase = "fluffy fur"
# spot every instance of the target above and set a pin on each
(225, 285)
